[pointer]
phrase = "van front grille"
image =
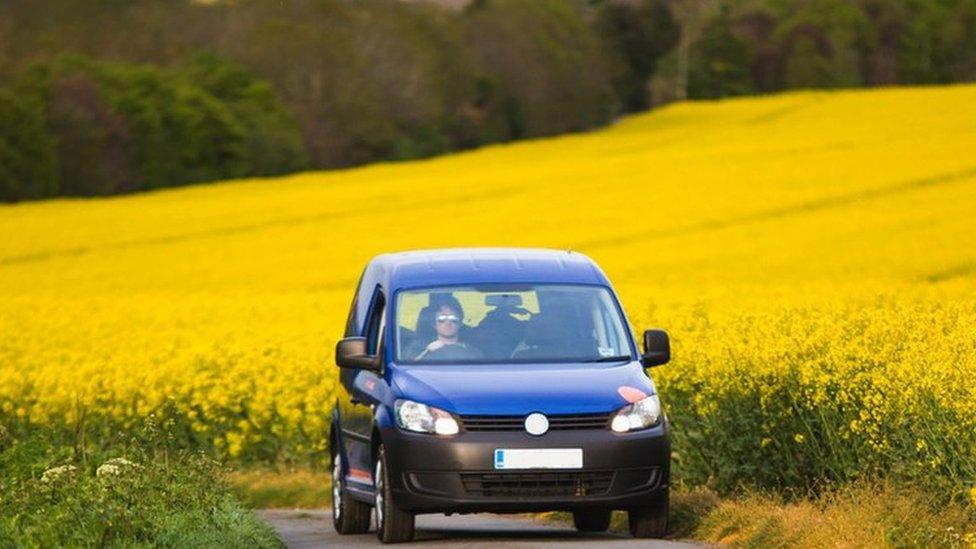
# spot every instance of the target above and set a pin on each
(517, 423)
(561, 484)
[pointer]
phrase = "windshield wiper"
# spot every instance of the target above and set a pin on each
(618, 358)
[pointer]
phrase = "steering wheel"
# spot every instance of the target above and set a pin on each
(450, 352)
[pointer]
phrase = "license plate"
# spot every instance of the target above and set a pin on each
(539, 458)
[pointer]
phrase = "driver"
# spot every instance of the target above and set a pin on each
(447, 326)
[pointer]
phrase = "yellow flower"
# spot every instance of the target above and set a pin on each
(786, 243)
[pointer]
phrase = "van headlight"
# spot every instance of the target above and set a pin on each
(639, 415)
(420, 418)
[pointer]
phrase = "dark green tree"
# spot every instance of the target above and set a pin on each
(542, 71)
(720, 61)
(273, 143)
(94, 140)
(28, 163)
(938, 41)
(824, 45)
(635, 35)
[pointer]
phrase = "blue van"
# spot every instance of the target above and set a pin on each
(495, 380)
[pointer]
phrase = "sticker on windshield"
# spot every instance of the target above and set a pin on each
(605, 351)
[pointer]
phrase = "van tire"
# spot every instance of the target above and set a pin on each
(650, 521)
(591, 520)
(393, 525)
(348, 515)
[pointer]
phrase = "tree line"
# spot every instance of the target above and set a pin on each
(80, 127)
(760, 46)
(109, 96)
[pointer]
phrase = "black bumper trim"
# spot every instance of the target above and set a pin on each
(456, 474)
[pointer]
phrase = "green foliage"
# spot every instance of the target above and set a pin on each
(937, 41)
(362, 81)
(635, 36)
(542, 68)
(720, 62)
(770, 45)
(28, 164)
(119, 127)
(92, 138)
(136, 494)
(322, 84)
(273, 143)
(228, 524)
(823, 44)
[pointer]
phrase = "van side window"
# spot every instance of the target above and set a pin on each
(375, 323)
(352, 327)
(351, 319)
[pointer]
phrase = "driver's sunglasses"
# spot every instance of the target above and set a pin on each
(448, 318)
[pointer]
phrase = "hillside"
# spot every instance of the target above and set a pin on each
(811, 253)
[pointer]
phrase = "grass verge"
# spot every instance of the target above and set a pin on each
(281, 488)
(862, 514)
(132, 495)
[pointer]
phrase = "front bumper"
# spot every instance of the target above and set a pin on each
(429, 473)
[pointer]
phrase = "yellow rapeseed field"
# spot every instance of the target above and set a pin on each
(812, 254)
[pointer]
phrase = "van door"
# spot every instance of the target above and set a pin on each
(363, 389)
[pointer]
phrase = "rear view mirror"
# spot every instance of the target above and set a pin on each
(657, 348)
(503, 300)
(351, 353)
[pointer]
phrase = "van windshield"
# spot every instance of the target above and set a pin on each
(526, 323)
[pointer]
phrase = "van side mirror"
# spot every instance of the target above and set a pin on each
(657, 348)
(351, 353)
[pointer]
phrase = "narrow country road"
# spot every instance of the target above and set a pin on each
(301, 529)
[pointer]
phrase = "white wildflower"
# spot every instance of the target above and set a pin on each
(56, 473)
(114, 467)
(107, 469)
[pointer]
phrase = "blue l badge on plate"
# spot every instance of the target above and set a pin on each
(538, 458)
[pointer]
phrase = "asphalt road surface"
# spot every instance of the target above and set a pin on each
(301, 529)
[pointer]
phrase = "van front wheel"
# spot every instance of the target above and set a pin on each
(392, 524)
(650, 521)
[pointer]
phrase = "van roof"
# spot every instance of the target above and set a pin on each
(461, 266)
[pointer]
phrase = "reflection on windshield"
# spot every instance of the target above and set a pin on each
(533, 323)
